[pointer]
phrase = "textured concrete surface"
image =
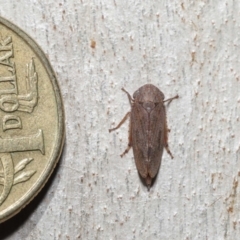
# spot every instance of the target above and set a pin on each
(97, 47)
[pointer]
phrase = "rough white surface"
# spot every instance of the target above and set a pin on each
(185, 47)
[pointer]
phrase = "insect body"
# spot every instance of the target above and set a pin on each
(148, 132)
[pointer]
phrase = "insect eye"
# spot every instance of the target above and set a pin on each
(156, 103)
(140, 103)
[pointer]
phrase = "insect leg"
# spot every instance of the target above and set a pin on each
(165, 138)
(120, 124)
(166, 130)
(129, 141)
(165, 141)
(126, 151)
(168, 150)
(170, 99)
(129, 96)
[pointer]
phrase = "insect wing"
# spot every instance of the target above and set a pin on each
(156, 137)
(139, 128)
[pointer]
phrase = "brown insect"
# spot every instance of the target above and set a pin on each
(148, 131)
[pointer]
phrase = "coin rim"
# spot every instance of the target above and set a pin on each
(60, 138)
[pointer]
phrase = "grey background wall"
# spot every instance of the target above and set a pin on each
(97, 47)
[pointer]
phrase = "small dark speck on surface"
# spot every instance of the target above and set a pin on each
(93, 44)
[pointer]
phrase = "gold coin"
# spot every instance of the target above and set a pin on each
(31, 119)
